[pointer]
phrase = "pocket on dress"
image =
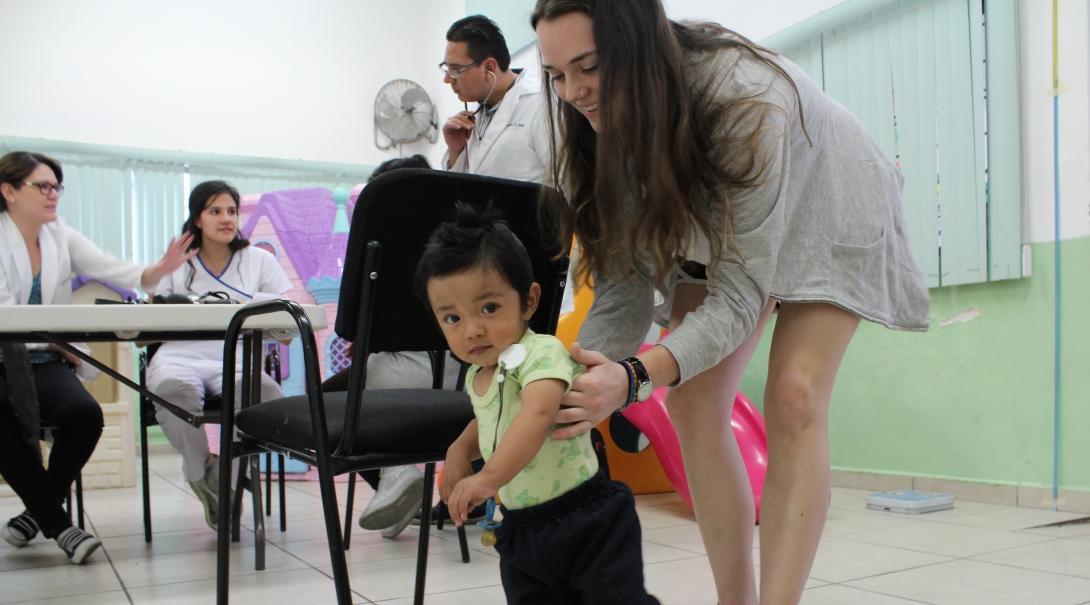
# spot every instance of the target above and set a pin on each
(862, 268)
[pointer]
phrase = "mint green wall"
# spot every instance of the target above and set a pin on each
(970, 401)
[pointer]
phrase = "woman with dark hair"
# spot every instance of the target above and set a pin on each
(38, 256)
(186, 373)
(698, 164)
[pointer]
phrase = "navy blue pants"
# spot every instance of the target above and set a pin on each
(583, 547)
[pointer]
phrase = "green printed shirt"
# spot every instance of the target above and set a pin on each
(558, 466)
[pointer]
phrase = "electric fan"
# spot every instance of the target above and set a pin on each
(404, 113)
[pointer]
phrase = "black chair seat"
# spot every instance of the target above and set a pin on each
(391, 421)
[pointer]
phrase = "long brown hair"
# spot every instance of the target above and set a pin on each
(669, 152)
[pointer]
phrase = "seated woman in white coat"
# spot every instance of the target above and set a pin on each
(38, 256)
(187, 373)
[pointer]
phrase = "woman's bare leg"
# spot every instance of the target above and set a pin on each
(700, 409)
(808, 344)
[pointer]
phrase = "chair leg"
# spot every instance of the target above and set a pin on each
(146, 489)
(283, 497)
(333, 532)
(259, 519)
(224, 520)
(79, 501)
(463, 543)
(425, 533)
(236, 505)
(348, 510)
(268, 484)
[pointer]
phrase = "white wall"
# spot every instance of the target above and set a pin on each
(291, 79)
(271, 78)
(1074, 57)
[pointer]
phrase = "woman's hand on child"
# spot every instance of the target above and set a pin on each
(594, 394)
(468, 493)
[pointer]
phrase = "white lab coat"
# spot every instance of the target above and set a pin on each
(186, 372)
(253, 274)
(515, 144)
(65, 253)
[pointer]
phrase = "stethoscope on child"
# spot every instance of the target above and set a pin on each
(511, 358)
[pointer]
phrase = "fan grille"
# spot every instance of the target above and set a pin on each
(404, 113)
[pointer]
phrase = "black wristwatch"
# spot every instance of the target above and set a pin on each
(643, 380)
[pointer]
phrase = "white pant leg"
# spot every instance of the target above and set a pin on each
(181, 383)
(269, 389)
(406, 370)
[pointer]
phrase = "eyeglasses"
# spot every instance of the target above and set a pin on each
(46, 187)
(453, 71)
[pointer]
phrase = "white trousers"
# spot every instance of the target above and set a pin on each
(186, 383)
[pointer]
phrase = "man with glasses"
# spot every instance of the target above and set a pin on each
(505, 135)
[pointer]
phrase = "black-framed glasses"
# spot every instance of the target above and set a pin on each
(46, 187)
(453, 71)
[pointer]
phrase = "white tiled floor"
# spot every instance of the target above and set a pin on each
(974, 554)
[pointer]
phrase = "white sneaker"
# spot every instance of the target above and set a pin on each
(400, 489)
(395, 530)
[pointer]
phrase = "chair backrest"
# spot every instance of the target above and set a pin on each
(394, 216)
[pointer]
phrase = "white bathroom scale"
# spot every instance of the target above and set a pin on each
(910, 501)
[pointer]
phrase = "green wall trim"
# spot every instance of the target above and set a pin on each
(970, 400)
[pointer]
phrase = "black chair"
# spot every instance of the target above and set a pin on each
(437, 383)
(210, 414)
(46, 434)
(378, 311)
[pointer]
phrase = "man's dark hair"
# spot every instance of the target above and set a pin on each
(483, 39)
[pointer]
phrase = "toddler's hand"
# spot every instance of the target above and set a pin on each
(455, 468)
(468, 493)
